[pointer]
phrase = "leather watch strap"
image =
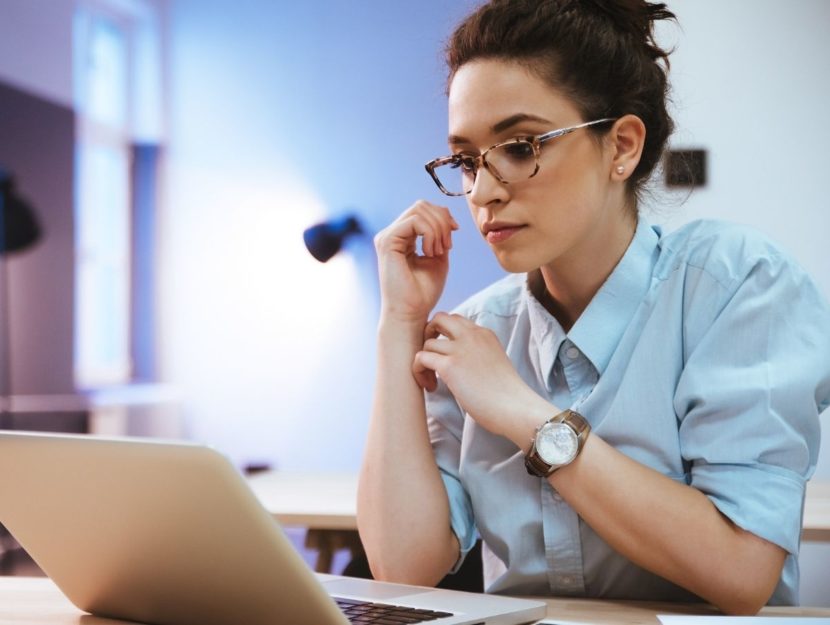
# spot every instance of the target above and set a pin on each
(579, 424)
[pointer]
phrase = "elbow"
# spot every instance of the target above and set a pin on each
(742, 606)
(416, 564)
(748, 598)
(755, 572)
(403, 573)
(401, 557)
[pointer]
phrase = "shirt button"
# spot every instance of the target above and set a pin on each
(572, 353)
(566, 580)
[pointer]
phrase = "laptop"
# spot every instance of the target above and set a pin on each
(169, 533)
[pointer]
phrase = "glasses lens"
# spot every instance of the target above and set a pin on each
(458, 175)
(510, 162)
(513, 161)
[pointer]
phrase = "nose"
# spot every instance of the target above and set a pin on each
(487, 188)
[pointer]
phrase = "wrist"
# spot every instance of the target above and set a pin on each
(392, 328)
(396, 312)
(527, 415)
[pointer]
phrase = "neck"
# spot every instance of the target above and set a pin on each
(566, 286)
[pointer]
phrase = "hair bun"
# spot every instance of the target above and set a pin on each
(637, 17)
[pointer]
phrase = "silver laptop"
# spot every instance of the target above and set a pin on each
(169, 533)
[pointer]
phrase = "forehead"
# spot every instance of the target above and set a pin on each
(485, 92)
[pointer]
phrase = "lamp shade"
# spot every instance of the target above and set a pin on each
(19, 227)
(325, 239)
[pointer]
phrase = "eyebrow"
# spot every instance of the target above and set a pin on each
(503, 125)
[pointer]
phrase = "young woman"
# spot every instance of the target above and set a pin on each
(631, 414)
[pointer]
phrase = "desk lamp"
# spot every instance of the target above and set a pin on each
(18, 230)
(325, 239)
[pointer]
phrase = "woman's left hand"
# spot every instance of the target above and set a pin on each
(473, 364)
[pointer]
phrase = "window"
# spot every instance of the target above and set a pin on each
(111, 56)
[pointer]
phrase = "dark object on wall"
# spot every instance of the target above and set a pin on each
(686, 168)
(37, 143)
(18, 230)
(19, 227)
(325, 239)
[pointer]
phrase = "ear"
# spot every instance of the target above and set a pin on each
(627, 137)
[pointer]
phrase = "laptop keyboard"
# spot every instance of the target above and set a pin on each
(385, 614)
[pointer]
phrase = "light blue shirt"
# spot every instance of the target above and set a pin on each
(705, 356)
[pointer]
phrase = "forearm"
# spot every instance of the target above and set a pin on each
(668, 528)
(403, 513)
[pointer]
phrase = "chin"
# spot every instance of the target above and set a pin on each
(516, 262)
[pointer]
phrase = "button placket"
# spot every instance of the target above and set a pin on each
(579, 373)
(563, 546)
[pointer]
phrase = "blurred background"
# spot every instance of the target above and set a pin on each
(173, 151)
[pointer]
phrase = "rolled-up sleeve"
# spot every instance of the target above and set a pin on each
(446, 422)
(754, 383)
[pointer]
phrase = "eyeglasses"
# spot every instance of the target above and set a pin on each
(511, 161)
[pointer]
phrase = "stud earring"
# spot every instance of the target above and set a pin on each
(620, 169)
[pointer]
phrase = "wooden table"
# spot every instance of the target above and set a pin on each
(37, 601)
(326, 504)
(322, 501)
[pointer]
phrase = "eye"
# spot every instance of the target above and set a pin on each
(520, 150)
(464, 162)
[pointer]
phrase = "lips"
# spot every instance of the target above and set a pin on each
(496, 232)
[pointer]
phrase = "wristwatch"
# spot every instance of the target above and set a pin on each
(557, 443)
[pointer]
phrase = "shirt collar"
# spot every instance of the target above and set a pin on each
(599, 329)
(545, 330)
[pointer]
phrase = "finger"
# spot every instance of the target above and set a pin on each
(428, 236)
(430, 332)
(404, 233)
(443, 220)
(446, 222)
(418, 208)
(453, 225)
(423, 370)
(438, 346)
(427, 380)
(450, 326)
(432, 245)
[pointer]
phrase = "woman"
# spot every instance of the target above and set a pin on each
(631, 414)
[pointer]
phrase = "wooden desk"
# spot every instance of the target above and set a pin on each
(328, 501)
(37, 601)
(320, 501)
(324, 503)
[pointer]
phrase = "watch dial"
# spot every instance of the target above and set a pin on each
(556, 444)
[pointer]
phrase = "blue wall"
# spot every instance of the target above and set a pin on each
(281, 114)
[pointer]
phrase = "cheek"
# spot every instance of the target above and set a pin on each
(573, 184)
(478, 214)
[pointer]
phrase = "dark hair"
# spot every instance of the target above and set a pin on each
(600, 53)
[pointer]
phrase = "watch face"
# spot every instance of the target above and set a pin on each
(556, 444)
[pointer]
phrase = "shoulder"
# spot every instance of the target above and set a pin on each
(501, 299)
(732, 277)
(724, 252)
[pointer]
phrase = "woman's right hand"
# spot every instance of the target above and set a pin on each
(411, 283)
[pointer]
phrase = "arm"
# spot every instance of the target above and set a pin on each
(671, 529)
(403, 511)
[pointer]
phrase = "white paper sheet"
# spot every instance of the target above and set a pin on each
(678, 619)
